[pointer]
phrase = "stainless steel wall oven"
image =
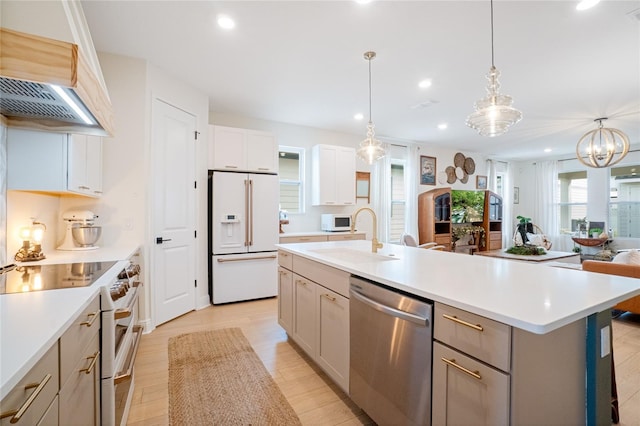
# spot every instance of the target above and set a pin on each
(120, 339)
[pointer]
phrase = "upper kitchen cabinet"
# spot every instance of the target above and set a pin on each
(333, 175)
(238, 149)
(47, 59)
(54, 162)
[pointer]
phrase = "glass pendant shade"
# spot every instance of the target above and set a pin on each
(602, 147)
(370, 150)
(493, 114)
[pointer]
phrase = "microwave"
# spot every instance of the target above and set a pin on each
(336, 222)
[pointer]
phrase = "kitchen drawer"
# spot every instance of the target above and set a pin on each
(331, 278)
(80, 395)
(346, 237)
(466, 391)
(285, 259)
(305, 239)
(50, 417)
(495, 235)
(77, 337)
(46, 367)
(482, 338)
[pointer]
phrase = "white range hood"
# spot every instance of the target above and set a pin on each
(46, 58)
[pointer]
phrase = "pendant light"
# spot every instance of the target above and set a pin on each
(602, 147)
(493, 114)
(370, 150)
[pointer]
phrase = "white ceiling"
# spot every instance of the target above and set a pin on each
(302, 62)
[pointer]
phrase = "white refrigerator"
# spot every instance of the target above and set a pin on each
(243, 232)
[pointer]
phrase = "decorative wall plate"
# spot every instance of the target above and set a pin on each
(442, 177)
(458, 159)
(451, 174)
(469, 165)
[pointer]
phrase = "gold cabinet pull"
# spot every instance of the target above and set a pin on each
(459, 321)
(453, 363)
(333, 299)
(283, 273)
(93, 316)
(17, 414)
(93, 359)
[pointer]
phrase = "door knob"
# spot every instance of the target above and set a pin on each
(160, 240)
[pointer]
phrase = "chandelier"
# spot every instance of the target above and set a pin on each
(602, 147)
(370, 150)
(493, 114)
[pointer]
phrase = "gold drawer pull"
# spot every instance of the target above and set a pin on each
(93, 359)
(333, 299)
(452, 362)
(283, 273)
(17, 414)
(94, 316)
(459, 321)
(304, 283)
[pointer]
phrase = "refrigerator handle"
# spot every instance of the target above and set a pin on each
(246, 212)
(251, 211)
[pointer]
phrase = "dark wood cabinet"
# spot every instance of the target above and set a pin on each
(492, 221)
(434, 219)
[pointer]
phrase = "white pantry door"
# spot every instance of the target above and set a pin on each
(173, 211)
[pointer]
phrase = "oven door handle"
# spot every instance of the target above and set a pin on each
(126, 312)
(126, 376)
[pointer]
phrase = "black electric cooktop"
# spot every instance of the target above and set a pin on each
(25, 278)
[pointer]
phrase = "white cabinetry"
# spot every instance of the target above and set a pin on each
(488, 373)
(54, 162)
(333, 175)
(238, 149)
(320, 306)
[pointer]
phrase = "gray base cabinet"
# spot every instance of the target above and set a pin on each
(488, 373)
(313, 307)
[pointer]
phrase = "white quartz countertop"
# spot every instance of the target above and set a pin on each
(31, 322)
(532, 297)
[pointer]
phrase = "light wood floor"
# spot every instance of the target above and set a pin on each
(313, 396)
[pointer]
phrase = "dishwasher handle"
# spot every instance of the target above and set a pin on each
(389, 310)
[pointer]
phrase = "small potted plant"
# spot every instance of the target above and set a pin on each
(524, 226)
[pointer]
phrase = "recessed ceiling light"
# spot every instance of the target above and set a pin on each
(363, 1)
(547, 150)
(442, 126)
(224, 21)
(424, 84)
(358, 116)
(587, 4)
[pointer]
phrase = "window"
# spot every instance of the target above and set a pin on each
(291, 173)
(624, 201)
(572, 203)
(398, 203)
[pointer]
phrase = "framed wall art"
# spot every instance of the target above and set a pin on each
(481, 182)
(427, 170)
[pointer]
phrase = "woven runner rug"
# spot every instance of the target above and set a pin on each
(215, 378)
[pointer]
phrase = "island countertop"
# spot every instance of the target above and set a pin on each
(535, 298)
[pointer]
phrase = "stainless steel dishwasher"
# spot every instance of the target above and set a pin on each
(390, 354)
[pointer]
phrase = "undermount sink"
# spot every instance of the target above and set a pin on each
(353, 256)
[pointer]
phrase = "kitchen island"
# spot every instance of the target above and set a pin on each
(545, 309)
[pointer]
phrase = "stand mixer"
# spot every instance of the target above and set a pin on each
(81, 233)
